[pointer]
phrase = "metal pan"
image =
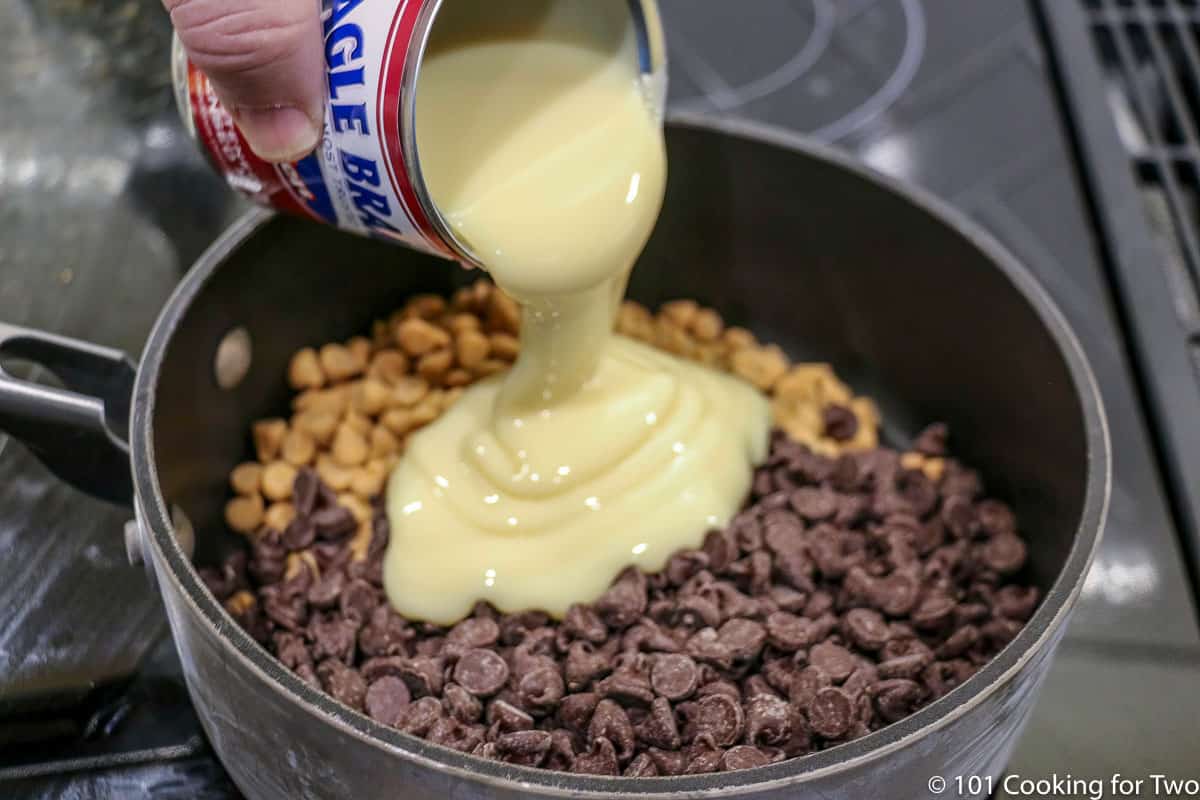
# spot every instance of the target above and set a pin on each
(911, 302)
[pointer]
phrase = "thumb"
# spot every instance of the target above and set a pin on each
(264, 60)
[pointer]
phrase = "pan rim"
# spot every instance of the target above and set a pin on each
(1033, 641)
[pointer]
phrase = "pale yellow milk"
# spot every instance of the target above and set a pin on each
(595, 452)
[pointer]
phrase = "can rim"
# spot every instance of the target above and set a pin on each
(652, 63)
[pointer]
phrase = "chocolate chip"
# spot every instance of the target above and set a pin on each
(958, 642)
(527, 748)
(704, 760)
(814, 504)
(909, 666)
(562, 751)
(584, 663)
(387, 699)
(423, 674)
(659, 728)
(582, 622)
(896, 594)
(343, 683)
(481, 672)
(668, 762)
(599, 759)
(996, 518)
(421, 715)
(541, 689)
(325, 592)
(959, 516)
(716, 719)
(575, 711)
(674, 676)
(831, 713)
(1005, 553)
(610, 722)
(768, 720)
(866, 628)
(624, 601)
(743, 637)
(299, 533)
(305, 490)
(1017, 602)
(461, 704)
(474, 632)
(386, 633)
(641, 767)
(744, 757)
(358, 600)
(934, 612)
(834, 660)
(334, 523)
(505, 717)
(789, 633)
(839, 422)
(332, 637)
(897, 698)
(626, 687)
(932, 440)
(291, 650)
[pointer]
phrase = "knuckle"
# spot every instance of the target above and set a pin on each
(231, 37)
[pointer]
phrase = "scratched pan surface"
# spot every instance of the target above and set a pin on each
(907, 299)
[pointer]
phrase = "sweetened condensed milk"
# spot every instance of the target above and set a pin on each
(540, 148)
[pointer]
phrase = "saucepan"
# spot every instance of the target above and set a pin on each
(910, 301)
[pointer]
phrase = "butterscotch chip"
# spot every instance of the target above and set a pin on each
(334, 399)
(389, 366)
(426, 306)
(279, 515)
(277, 480)
(358, 422)
(814, 383)
(299, 448)
(459, 323)
(381, 335)
(333, 474)
(246, 478)
(360, 351)
(450, 396)
(912, 460)
(709, 354)
(427, 411)
(680, 312)
(707, 325)
(762, 366)
(240, 602)
(244, 514)
(434, 366)
(503, 313)
(338, 363)
(398, 420)
(738, 338)
(409, 390)
(268, 437)
(370, 397)
(505, 346)
(367, 481)
(361, 542)
(457, 378)
(471, 347)
(490, 367)
(321, 425)
(350, 448)
(383, 442)
(670, 336)
(304, 370)
(303, 559)
(358, 507)
(418, 337)
(934, 468)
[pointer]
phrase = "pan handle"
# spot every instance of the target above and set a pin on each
(80, 432)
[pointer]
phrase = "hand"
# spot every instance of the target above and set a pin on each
(265, 62)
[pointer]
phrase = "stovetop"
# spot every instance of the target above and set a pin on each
(105, 203)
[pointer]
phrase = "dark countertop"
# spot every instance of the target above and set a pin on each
(103, 203)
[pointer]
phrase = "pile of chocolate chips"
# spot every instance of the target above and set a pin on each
(849, 593)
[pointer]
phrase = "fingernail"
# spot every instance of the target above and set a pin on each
(283, 133)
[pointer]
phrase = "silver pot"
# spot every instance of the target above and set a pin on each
(913, 304)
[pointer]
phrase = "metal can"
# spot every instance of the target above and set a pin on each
(365, 176)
